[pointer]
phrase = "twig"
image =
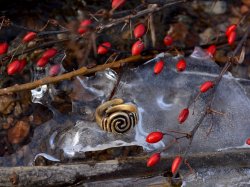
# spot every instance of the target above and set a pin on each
(52, 32)
(70, 75)
(44, 45)
(152, 30)
(152, 9)
(217, 81)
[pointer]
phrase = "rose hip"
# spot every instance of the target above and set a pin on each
(29, 37)
(154, 137)
(103, 48)
(158, 67)
(176, 164)
(183, 115)
(154, 159)
(139, 30)
(181, 65)
(137, 48)
(206, 86)
(13, 67)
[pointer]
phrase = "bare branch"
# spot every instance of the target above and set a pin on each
(70, 75)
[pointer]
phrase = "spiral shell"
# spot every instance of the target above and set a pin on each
(116, 117)
(120, 122)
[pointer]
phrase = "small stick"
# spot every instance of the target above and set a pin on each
(70, 75)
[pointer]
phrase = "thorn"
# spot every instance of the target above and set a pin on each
(189, 166)
(210, 111)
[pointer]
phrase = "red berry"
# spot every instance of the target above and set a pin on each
(154, 137)
(231, 38)
(55, 70)
(23, 63)
(29, 37)
(81, 30)
(49, 53)
(13, 67)
(248, 141)
(103, 48)
(168, 40)
(137, 48)
(206, 86)
(176, 164)
(158, 67)
(84, 25)
(3, 48)
(211, 50)
(42, 62)
(154, 159)
(181, 65)
(118, 3)
(183, 115)
(139, 30)
(230, 29)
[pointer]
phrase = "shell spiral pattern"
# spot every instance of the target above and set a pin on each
(116, 116)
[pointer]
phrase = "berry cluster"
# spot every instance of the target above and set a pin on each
(155, 137)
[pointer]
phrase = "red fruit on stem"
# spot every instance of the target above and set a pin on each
(154, 137)
(55, 70)
(176, 164)
(139, 30)
(118, 3)
(181, 65)
(29, 37)
(137, 48)
(42, 62)
(103, 48)
(49, 53)
(84, 25)
(231, 38)
(3, 48)
(248, 141)
(154, 159)
(168, 40)
(13, 67)
(211, 50)
(23, 63)
(206, 86)
(230, 29)
(81, 30)
(183, 115)
(158, 67)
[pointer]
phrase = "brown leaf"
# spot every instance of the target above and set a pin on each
(19, 132)
(246, 2)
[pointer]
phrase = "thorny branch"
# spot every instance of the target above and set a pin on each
(70, 75)
(151, 9)
(153, 6)
(210, 101)
(99, 28)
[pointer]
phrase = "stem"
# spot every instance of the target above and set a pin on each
(147, 11)
(217, 81)
(70, 75)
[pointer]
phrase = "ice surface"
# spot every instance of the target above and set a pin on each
(39, 92)
(218, 177)
(159, 99)
(203, 177)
